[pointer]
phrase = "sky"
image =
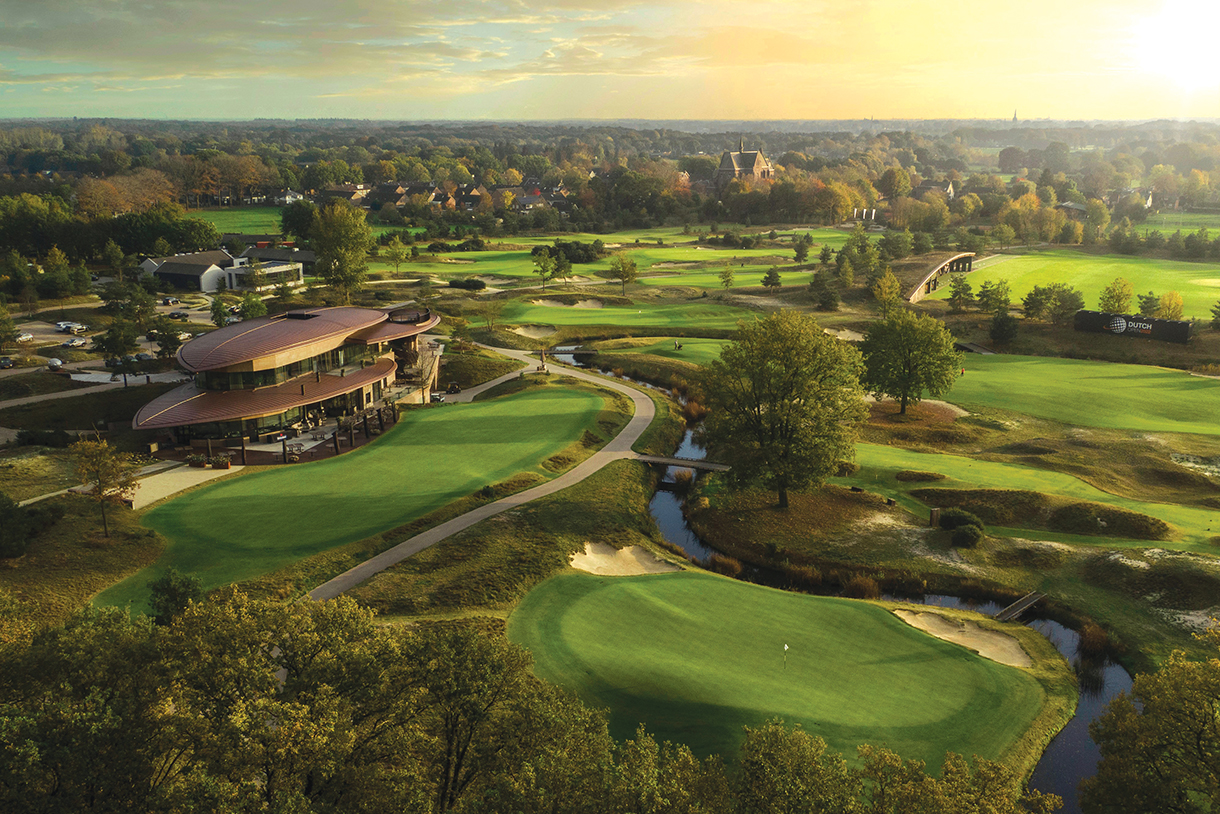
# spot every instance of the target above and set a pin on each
(595, 59)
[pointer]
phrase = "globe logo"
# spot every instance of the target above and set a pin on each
(1117, 325)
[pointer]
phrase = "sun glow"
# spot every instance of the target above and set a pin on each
(1178, 44)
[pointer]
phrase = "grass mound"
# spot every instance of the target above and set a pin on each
(1176, 581)
(470, 369)
(1026, 509)
(917, 476)
(696, 657)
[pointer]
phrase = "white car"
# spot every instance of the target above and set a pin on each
(75, 342)
(25, 337)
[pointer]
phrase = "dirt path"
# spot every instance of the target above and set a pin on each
(619, 448)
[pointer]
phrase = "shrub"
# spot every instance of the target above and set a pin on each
(805, 576)
(954, 517)
(1093, 640)
(723, 564)
(468, 284)
(966, 536)
(846, 469)
(44, 438)
(15, 528)
(862, 587)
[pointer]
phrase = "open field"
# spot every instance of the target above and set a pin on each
(250, 220)
(1092, 394)
(1192, 527)
(1198, 283)
(248, 525)
(1169, 222)
(695, 657)
(688, 315)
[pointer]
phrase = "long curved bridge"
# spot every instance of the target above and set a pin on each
(962, 263)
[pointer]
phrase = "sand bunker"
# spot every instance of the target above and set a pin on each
(577, 304)
(534, 331)
(606, 560)
(990, 644)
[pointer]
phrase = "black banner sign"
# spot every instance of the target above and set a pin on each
(1165, 330)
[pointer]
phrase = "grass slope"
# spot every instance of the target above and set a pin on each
(878, 464)
(695, 350)
(1198, 283)
(1092, 394)
(686, 315)
(696, 657)
(246, 526)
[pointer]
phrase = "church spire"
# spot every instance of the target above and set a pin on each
(742, 147)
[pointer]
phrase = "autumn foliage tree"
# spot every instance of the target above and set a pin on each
(110, 473)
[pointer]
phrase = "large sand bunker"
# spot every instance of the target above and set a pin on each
(534, 331)
(577, 304)
(608, 561)
(990, 644)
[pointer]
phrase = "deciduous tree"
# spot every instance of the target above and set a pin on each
(623, 269)
(1116, 297)
(887, 293)
(395, 253)
(341, 240)
(785, 403)
(110, 473)
(908, 355)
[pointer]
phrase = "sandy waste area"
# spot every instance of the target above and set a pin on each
(608, 561)
(577, 304)
(990, 644)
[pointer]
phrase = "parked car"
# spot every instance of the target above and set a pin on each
(437, 398)
(232, 320)
(185, 336)
(179, 315)
(71, 327)
(113, 362)
(74, 342)
(54, 364)
(6, 363)
(145, 357)
(25, 337)
(170, 301)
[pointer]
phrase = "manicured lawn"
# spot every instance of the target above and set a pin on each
(1198, 283)
(1193, 526)
(697, 314)
(249, 525)
(249, 220)
(1092, 394)
(694, 350)
(696, 657)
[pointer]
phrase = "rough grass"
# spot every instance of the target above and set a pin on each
(688, 315)
(696, 657)
(250, 525)
(1034, 510)
(27, 472)
(468, 369)
(1189, 526)
(85, 411)
(38, 383)
(71, 561)
(489, 567)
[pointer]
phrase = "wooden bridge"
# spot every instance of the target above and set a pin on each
(688, 463)
(1019, 607)
(963, 262)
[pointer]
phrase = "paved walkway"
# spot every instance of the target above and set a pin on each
(618, 449)
(171, 482)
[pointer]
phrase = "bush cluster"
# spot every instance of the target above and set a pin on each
(967, 528)
(468, 284)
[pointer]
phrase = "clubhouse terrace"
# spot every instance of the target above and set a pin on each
(288, 372)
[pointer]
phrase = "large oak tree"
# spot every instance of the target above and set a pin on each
(785, 403)
(907, 356)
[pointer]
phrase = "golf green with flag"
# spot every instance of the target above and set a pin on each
(695, 657)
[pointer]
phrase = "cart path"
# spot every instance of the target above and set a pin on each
(618, 448)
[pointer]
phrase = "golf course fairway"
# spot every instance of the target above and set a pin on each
(695, 657)
(243, 527)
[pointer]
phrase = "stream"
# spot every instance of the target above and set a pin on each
(1071, 755)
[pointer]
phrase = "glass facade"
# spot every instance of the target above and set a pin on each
(252, 379)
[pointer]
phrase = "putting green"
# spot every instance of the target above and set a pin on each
(696, 314)
(247, 526)
(1092, 394)
(696, 657)
(1198, 283)
(1192, 526)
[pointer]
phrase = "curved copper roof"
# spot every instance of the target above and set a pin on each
(265, 336)
(190, 405)
(389, 331)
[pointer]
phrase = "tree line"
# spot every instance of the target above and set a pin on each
(240, 705)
